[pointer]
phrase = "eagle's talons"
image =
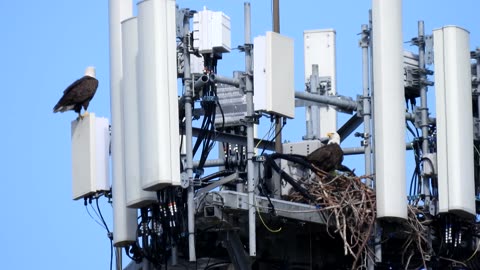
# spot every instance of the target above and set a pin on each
(81, 116)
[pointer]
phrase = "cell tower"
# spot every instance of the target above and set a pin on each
(179, 205)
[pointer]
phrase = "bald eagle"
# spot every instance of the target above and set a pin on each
(78, 94)
(328, 157)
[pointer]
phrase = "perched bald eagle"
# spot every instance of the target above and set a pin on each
(78, 94)
(328, 157)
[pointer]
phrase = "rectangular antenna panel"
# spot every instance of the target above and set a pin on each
(124, 219)
(157, 95)
(319, 49)
(90, 147)
(453, 88)
(136, 197)
(211, 31)
(273, 73)
(389, 110)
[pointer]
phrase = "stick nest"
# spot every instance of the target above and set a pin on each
(350, 206)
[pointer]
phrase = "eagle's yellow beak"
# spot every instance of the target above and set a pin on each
(330, 134)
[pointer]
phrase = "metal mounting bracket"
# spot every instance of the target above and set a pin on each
(429, 49)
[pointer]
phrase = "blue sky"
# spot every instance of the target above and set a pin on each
(46, 45)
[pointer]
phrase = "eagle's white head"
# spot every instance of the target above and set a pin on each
(333, 138)
(90, 71)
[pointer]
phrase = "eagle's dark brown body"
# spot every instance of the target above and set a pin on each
(327, 158)
(77, 95)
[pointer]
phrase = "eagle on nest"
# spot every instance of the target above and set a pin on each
(329, 157)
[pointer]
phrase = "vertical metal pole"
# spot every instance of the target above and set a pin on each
(366, 103)
(478, 97)
(372, 88)
(278, 119)
(423, 105)
(424, 114)
(187, 80)
(250, 144)
(378, 229)
(276, 16)
(478, 62)
(478, 78)
(118, 258)
(364, 43)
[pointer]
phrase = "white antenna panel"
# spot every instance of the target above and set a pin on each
(136, 197)
(157, 95)
(319, 49)
(124, 219)
(453, 92)
(389, 109)
(90, 147)
(273, 72)
(211, 31)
